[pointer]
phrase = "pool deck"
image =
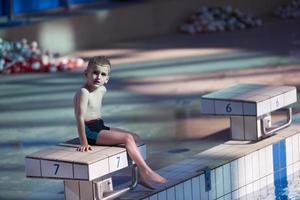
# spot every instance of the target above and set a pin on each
(217, 159)
(154, 91)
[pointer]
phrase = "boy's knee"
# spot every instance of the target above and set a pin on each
(129, 138)
(136, 137)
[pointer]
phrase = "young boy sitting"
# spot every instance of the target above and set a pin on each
(90, 126)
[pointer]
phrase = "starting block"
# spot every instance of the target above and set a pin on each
(86, 175)
(249, 107)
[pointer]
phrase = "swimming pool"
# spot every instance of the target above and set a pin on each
(288, 189)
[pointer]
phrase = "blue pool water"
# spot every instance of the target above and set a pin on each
(291, 190)
(288, 189)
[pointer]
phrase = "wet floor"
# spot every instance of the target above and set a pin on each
(155, 97)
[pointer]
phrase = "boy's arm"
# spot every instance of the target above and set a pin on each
(80, 106)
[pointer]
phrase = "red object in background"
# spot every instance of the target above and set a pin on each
(34, 65)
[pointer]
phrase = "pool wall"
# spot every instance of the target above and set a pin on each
(262, 169)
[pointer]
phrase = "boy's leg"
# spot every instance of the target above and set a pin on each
(136, 137)
(117, 136)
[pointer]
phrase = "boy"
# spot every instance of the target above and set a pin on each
(90, 126)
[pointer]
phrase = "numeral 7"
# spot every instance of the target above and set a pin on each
(118, 161)
(56, 170)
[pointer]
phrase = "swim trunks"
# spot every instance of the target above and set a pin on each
(93, 128)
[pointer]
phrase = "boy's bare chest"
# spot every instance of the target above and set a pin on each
(94, 102)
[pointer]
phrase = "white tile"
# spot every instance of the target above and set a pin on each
(98, 169)
(296, 167)
(289, 170)
(291, 179)
(237, 127)
(241, 172)
(212, 193)
(162, 195)
(298, 134)
(263, 186)
(234, 175)
(187, 189)
(256, 186)
(71, 190)
(250, 196)
(289, 151)
(227, 197)
(263, 107)
(33, 167)
(290, 97)
(270, 180)
(242, 192)
(179, 192)
(118, 161)
(228, 107)
(249, 109)
(277, 102)
(263, 182)
(203, 193)
(153, 197)
(171, 193)
(234, 194)
(255, 165)
(81, 171)
(86, 190)
(298, 171)
(219, 182)
(262, 162)
(207, 106)
(227, 178)
(196, 187)
(252, 130)
(56, 169)
(249, 189)
(295, 140)
(271, 189)
(249, 168)
(269, 159)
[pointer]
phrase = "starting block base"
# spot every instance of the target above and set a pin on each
(86, 175)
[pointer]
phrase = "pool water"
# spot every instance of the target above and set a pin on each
(282, 189)
(291, 190)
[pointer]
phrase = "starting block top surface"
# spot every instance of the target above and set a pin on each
(65, 162)
(248, 99)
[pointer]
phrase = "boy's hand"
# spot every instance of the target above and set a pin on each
(84, 148)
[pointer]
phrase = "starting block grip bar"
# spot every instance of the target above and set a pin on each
(267, 133)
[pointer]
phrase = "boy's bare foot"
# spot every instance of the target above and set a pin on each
(150, 175)
(145, 184)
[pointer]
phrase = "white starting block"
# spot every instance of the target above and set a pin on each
(86, 175)
(249, 107)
